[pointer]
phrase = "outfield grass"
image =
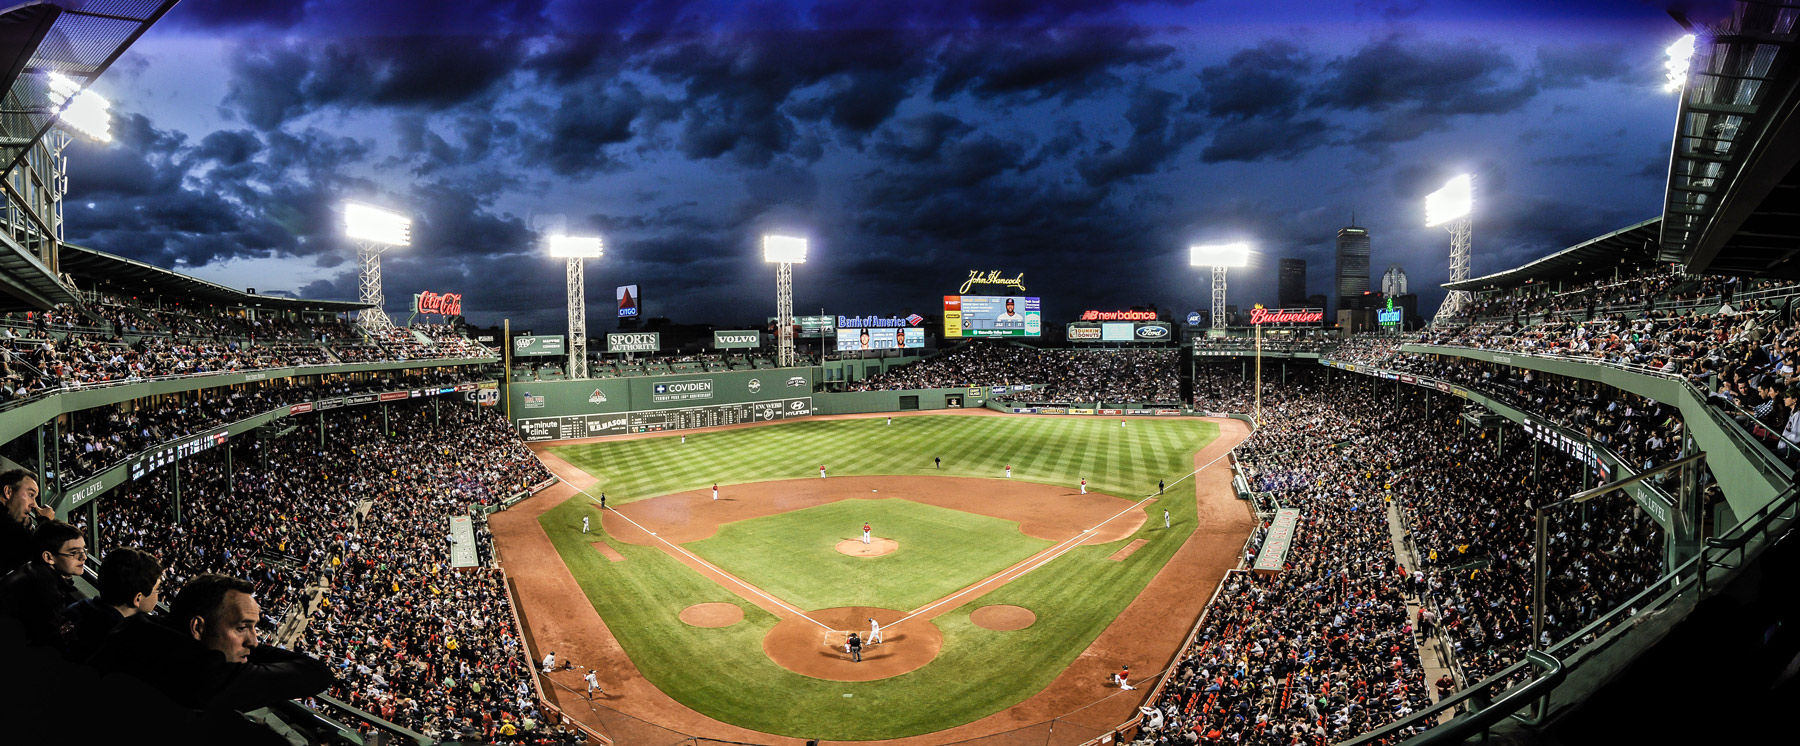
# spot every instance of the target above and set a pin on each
(723, 672)
(941, 550)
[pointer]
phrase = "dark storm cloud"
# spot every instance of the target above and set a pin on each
(214, 14)
(1158, 133)
(1266, 138)
(1267, 79)
(1575, 64)
(1067, 63)
(1404, 72)
(272, 83)
(966, 13)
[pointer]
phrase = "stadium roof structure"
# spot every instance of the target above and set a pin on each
(25, 283)
(117, 274)
(1733, 200)
(1631, 245)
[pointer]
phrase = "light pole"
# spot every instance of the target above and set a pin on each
(784, 252)
(1220, 257)
(1450, 207)
(374, 230)
(575, 249)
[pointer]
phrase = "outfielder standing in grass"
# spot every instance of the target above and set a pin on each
(715, 490)
(821, 471)
(1009, 471)
(1084, 485)
(584, 524)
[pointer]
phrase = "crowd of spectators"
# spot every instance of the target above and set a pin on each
(1057, 376)
(355, 532)
(92, 440)
(1632, 289)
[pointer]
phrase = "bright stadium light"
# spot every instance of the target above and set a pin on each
(1676, 68)
(1455, 200)
(784, 249)
(89, 113)
(575, 247)
(375, 225)
(1219, 255)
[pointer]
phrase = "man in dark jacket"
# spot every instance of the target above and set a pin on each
(130, 584)
(18, 504)
(205, 654)
(39, 590)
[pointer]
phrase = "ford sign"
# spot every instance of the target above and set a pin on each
(1152, 332)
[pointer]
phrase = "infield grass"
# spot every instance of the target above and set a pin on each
(941, 550)
(723, 672)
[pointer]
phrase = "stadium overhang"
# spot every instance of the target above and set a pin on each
(1733, 199)
(1628, 247)
(121, 276)
(25, 283)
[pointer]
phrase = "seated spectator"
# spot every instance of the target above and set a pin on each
(38, 591)
(130, 584)
(205, 655)
(18, 495)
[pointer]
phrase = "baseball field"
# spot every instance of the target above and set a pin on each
(988, 587)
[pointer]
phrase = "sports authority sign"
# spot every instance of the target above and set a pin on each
(737, 339)
(634, 342)
(1287, 315)
(444, 304)
(692, 389)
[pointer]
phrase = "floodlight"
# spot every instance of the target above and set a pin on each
(1220, 255)
(89, 113)
(373, 224)
(784, 249)
(1454, 201)
(1680, 53)
(576, 247)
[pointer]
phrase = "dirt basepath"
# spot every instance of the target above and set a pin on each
(558, 616)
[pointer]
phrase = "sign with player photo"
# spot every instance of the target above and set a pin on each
(849, 340)
(993, 316)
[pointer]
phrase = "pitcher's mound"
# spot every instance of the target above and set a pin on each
(712, 615)
(808, 649)
(1002, 617)
(875, 547)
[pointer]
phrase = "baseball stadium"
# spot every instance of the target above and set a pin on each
(924, 496)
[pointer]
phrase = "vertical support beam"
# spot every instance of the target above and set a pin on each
(577, 284)
(784, 314)
(175, 504)
(368, 281)
(1690, 519)
(1539, 566)
(230, 475)
(1218, 298)
(1457, 300)
(94, 525)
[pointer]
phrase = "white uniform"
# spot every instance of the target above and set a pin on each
(593, 683)
(1009, 472)
(584, 524)
(865, 533)
(1084, 486)
(874, 632)
(715, 492)
(821, 471)
(1165, 519)
(549, 662)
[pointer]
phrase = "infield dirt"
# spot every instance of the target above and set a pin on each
(558, 616)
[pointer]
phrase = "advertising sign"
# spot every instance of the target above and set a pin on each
(1287, 315)
(992, 316)
(737, 339)
(1084, 333)
(1273, 556)
(1116, 331)
(1389, 316)
(628, 301)
(1151, 332)
(446, 304)
(1118, 316)
(634, 342)
(692, 389)
(528, 346)
(878, 339)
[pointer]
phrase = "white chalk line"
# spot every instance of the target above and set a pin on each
(715, 568)
(1056, 550)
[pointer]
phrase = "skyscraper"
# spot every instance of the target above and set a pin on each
(1393, 281)
(1291, 283)
(1352, 266)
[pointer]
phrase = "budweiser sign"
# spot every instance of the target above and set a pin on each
(1287, 315)
(447, 304)
(1118, 315)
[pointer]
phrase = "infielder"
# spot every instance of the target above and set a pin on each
(593, 684)
(821, 471)
(865, 533)
(715, 491)
(1165, 517)
(874, 631)
(1084, 485)
(584, 524)
(549, 661)
(1009, 471)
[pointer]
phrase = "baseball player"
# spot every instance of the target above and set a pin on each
(1159, 486)
(890, 419)
(1121, 422)
(593, 683)
(549, 661)
(1122, 679)
(1009, 471)
(874, 631)
(855, 644)
(1165, 517)
(939, 461)
(602, 501)
(1084, 485)
(684, 440)
(715, 491)
(865, 533)
(821, 471)
(584, 524)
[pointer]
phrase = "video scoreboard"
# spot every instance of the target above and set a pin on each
(992, 316)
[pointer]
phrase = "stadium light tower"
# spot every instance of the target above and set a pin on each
(784, 252)
(576, 249)
(1450, 207)
(1220, 257)
(1681, 53)
(374, 230)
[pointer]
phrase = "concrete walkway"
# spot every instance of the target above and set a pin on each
(1434, 650)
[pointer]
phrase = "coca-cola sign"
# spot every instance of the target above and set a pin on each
(447, 304)
(1287, 315)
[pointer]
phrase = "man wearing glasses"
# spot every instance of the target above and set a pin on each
(38, 592)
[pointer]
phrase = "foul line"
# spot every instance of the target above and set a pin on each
(1054, 551)
(713, 567)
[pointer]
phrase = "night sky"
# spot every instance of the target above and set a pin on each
(1083, 143)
